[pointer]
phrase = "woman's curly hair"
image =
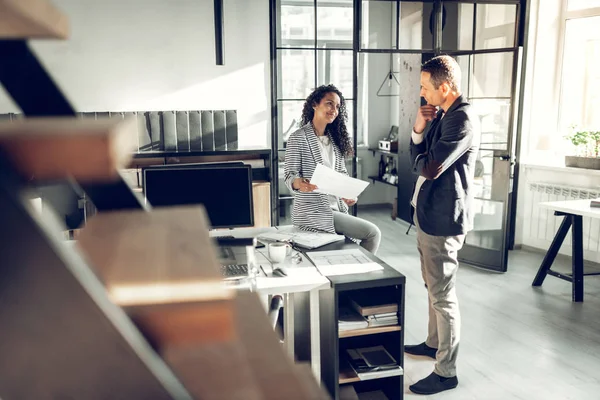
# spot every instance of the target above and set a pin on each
(337, 129)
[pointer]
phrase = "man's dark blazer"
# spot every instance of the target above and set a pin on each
(446, 158)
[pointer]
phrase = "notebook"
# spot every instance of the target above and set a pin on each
(373, 363)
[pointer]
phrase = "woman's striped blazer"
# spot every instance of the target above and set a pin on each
(310, 211)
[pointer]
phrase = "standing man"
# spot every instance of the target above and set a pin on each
(443, 155)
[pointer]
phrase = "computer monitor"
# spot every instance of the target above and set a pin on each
(225, 190)
(224, 164)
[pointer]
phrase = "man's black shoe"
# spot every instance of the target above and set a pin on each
(420, 350)
(434, 384)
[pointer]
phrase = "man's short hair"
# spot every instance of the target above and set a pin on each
(443, 69)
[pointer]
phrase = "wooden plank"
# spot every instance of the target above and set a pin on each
(158, 257)
(29, 19)
(261, 198)
(216, 372)
(253, 367)
(55, 148)
(184, 324)
(161, 267)
(369, 331)
(61, 335)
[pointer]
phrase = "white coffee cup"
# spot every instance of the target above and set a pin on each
(278, 251)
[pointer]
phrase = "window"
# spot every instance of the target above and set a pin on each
(560, 96)
(314, 44)
(582, 4)
(306, 61)
(580, 77)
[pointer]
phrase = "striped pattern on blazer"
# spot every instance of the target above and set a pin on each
(310, 211)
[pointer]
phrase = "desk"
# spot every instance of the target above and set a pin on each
(325, 295)
(302, 278)
(573, 212)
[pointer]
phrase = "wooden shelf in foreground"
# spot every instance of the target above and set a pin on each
(32, 19)
(56, 148)
(161, 267)
(254, 367)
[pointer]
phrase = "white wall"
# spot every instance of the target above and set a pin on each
(128, 55)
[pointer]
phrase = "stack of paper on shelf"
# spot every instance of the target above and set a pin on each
(349, 320)
(373, 363)
(595, 203)
(383, 319)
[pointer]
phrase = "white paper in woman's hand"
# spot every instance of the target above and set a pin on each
(331, 182)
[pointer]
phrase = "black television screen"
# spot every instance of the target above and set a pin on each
(225, 191)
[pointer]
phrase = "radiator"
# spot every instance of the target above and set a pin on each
(540, 224)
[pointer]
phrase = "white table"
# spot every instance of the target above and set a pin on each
(302, 277)
(573, 212)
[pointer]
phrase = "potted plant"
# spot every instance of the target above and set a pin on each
(587, 149)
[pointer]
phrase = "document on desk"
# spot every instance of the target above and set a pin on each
(342, 262)
(331, 182)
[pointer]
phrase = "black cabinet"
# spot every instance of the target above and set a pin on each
(335, 371)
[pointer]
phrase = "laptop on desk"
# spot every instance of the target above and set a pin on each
(234, 262)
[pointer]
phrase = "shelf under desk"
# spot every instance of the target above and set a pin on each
(369, 331)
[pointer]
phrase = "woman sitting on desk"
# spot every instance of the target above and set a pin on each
(323, 139)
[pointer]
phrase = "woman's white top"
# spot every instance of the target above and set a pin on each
(329, 161)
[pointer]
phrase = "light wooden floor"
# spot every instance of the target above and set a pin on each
(518, 342)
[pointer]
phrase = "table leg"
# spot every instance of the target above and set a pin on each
(553, 251)
(577, 257)
(288, 324)
(315, 335)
